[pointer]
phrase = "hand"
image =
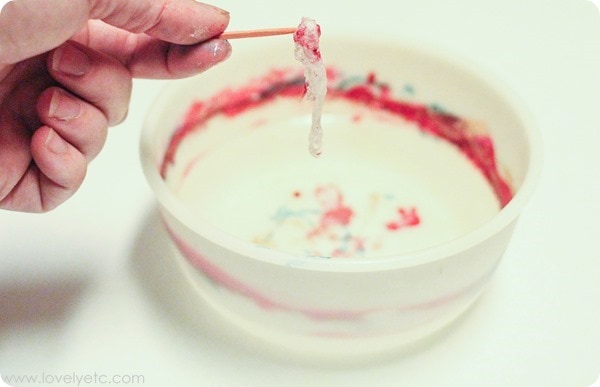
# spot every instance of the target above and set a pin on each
(66, 69)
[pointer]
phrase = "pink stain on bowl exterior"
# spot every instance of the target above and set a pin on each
(225, 280)
(221, 278)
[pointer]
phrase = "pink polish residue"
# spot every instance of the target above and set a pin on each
(408, 217)
(325, 224)
(334, 211)
(367, 91)
(331, 227)
(306, 39)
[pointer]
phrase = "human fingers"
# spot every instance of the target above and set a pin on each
(31, 27)
(57, 172)
(14, 157)
(97, 78)
(160, 60)
(175, 21)
(62, 166)
(147, 57)
(78, 122)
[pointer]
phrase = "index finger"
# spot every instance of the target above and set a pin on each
(174, 21)
(32, 27)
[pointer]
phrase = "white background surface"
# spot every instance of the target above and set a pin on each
(85, 289)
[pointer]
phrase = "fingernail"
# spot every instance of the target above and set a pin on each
(63, 107)
(70, 60)
(55, 143)
(220, 10)
(219, 49)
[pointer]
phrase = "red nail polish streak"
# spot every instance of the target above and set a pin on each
(222, 278)
(408, 218)
(367, 91)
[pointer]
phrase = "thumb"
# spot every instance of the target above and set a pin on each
(32, 27)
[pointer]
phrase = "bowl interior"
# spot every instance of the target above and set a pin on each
(383, 188)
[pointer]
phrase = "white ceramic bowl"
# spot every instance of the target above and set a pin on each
(362, 303)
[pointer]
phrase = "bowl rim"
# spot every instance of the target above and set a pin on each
(503, 219)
